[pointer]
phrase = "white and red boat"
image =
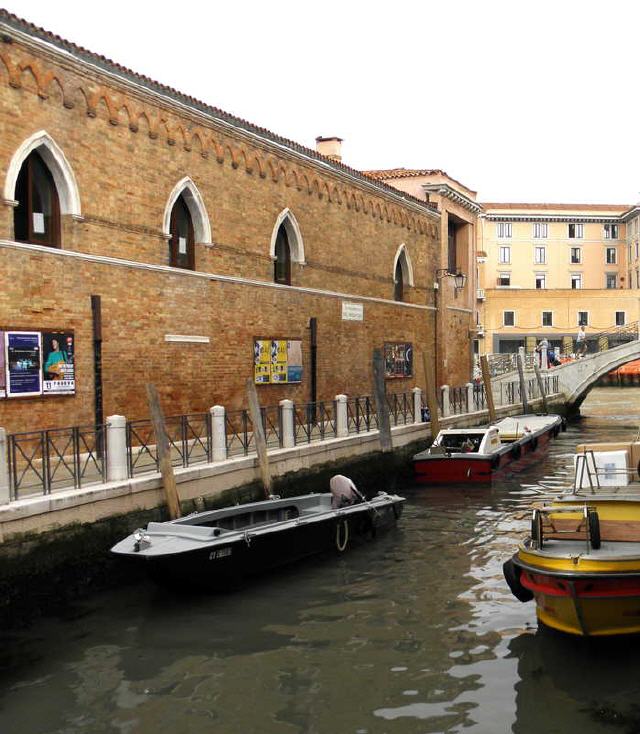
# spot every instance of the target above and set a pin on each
(474, 454)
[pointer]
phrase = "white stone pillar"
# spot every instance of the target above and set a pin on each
(5, 494)
(288, 439)
(446, 408)
(218, 433)
(544, 359)
(470, 406)
(342, 425)
(117, 464)
(417, 404)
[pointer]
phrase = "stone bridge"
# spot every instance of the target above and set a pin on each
(578, 376)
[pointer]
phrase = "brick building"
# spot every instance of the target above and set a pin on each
(160, 239)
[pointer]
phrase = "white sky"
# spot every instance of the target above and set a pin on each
(519, 100)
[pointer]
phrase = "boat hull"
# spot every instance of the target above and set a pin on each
(592, 603)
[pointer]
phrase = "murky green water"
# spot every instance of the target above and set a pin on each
(416, 632)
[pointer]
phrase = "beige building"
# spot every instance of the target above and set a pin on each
(544, 269)
(455, 298)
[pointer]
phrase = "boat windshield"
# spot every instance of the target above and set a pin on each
(461, 442)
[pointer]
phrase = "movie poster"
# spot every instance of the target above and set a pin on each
(58, 363)
(3, 374)
(23, 363)
(277, 361)
(398, 359)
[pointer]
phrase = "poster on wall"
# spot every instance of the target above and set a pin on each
(58, 363)
(3, 375)
(277, 361)
(23, 364)
(398, 359)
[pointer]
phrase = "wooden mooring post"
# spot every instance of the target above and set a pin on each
(164, 452)
(486, 379)
(432, 400)
(523, 384)
(536, 369)
(259, 437)
(382, 409)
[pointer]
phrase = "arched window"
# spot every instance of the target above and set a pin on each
(398, 283)
(36, 218)
(181, 244)
(402, 273)
(282, 262)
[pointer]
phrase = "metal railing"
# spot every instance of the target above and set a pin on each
(361, 414)
(314, 422)
(458, 400)
(41, 462)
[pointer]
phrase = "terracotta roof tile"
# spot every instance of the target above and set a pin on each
(85, 55)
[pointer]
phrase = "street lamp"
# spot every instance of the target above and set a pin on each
(459, 278)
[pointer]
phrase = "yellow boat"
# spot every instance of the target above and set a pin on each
(581, 562)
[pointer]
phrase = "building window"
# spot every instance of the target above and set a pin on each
(398, 283)
(637, 250)
(621, 318)
(540, 230)
(541, 281)
(540, 255)
(576, 281)
(505, 254)
(547, 318)
(575, 231)
(504, 279)
(611, 280)
(509, 318)
(503, 230)
(583, 318)
(181, 243)
(36, 219)
(611, 256)
(282, 262)
(576, 255)
(611, 231)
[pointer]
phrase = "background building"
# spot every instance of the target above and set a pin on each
(544, 269)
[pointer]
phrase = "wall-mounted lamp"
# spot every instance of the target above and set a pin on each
(459, 278)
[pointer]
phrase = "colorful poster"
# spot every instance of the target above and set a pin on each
(262, 361)
(277, 361)
(398, 359)
(3, 374)
(294, 361)
(23, 363)
(58, 363)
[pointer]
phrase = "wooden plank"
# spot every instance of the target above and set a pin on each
(259, 437)
(164, 453)
(486, 379)
(536, 369)
(384, 425)
(430, 391)
(523, 384)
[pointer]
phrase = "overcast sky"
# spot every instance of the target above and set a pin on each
(519, 100)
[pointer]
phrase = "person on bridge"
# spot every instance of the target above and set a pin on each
(581, 343)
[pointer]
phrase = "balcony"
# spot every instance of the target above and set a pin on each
(480, 294)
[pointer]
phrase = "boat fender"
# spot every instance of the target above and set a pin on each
(342, 544)
(594, 529)
(516, 451)
(512, 577)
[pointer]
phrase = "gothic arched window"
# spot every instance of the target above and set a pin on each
(398, 283)
(36, 218)
(282, 262)
(181, 244)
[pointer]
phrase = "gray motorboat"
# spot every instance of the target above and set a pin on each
(214, 547)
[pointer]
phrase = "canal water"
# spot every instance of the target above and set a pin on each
(416, 632)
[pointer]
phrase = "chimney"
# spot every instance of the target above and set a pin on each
(329, 147)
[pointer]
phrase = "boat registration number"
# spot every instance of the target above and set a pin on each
(220, 553)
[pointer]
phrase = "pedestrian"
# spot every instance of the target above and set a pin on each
(581, 342)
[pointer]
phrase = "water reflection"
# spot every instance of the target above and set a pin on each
(416, 632)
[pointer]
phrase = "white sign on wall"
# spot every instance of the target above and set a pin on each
(352, 311)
